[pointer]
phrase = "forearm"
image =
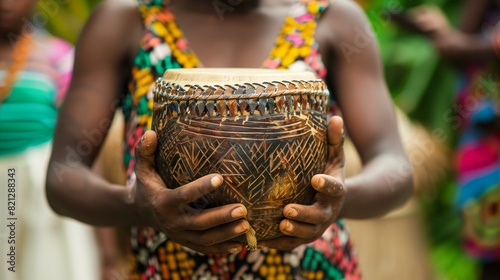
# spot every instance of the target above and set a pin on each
(480, 48)
(383, 184)
(80, 194)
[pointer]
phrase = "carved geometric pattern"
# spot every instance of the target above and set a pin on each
(267, 161)
(266, 98)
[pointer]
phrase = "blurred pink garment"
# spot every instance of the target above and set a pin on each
(478, 153)
(47, 246)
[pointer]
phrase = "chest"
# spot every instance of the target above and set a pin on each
(243, 40)
(284, 37)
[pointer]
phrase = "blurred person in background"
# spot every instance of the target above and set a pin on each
(35, 70)
(474, 47)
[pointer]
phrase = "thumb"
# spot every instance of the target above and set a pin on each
(145, 151)
(336, 141)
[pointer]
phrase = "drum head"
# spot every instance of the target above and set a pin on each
(221, 76)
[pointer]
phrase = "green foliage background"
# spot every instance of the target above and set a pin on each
(424, 87)
(66, 17)
(420, 84)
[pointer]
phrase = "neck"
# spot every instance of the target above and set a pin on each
(206, 6)
(9, 38)
(13, 36)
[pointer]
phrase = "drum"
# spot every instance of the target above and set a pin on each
(263, 130)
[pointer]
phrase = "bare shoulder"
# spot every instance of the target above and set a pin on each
(116, 13)
(344, 15)
(115, 24)
(345, 22)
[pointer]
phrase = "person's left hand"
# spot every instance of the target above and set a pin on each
(430, 19)
(451, 44)
(305, 223)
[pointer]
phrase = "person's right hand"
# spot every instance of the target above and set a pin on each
(203, 230)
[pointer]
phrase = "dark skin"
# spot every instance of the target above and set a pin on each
(11, 15)
(463, 44)
(472, 15)
(101, 71)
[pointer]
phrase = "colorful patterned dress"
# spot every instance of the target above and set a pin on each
(478, 152)
(163, 47)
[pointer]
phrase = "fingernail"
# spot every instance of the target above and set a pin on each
(144, 136)
(292, 212)
(235, 250)
(321, 182)
(216, 181)
(241, 227)
(288, 226)
(238, 212)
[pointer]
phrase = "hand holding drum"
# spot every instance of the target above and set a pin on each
(236, 151)
(205, 231)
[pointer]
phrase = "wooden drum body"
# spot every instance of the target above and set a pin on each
(264, 131)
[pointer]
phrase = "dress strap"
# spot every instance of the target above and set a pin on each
(317, 7)
(295, 46)
(150, 9)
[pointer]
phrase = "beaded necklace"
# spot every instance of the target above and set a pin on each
(21, 50)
